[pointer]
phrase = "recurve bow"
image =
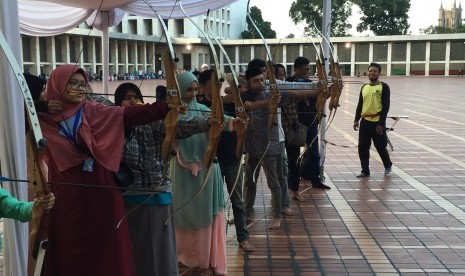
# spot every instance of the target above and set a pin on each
(38, 237)
(323, 83)
(217, 110)
(172, 97)
(274, 91)
(238, 104)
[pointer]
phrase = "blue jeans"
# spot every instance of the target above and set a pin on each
(230, 171)
(270, 167)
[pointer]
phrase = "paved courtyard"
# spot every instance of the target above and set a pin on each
(409, 223)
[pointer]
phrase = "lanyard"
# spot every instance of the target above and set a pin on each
(64, 128)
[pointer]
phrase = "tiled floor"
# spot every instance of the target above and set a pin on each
(409, 223)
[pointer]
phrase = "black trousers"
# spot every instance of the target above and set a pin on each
(293, 176)
(367, 133)
(311, 168)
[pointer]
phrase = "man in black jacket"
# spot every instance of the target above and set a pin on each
(307, 112)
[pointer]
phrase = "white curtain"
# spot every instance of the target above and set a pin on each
(47, 19)
(12, 147)
(43, 18)
(170, 8)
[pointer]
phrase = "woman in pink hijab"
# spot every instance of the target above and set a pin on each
(85, 142)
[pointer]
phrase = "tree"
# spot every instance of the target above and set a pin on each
(290, 35)
(263, 26)
(442, 30)
(384, 17)
(311, 12)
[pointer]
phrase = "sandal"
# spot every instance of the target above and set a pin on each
(298, 197)
(275, 224)
(246, 246)
(287, 211)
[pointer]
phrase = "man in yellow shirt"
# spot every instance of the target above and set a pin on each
(372, 109)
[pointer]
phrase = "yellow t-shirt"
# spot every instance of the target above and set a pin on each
(371, 95)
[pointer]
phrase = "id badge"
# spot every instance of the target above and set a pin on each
(88, 165)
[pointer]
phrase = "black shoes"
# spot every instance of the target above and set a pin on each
(320, 185)
(387, 171)
(363, 174)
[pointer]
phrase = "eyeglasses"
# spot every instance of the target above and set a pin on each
(75, 84)
(132, 98)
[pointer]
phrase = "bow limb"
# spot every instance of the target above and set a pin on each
(217, 111)
(36, 142)
(239, 110)
(238, 104)
(336, 85)
(242, 115)
(274, 91)
(171, 120)
(323, 82)
(172, 95)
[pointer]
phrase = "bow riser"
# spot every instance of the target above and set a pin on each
(35, 142)
(336, 87)
(240, 114)
(274, 93)
(238, 104)
(172, 97)
(39, 218)
(217, 112)
(324, 93)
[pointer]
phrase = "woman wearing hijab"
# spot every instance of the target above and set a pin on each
(37, 87)
(85, 141)
(200, 225)
(153, 242)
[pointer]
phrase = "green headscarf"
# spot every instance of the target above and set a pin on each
(185, 80)
(193, 147)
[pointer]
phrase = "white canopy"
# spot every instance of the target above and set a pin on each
(52, 17)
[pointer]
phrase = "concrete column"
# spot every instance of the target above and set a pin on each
(427, 57)
(237, 58)
(52, 60)
(407, 59)
(389, 59)
(105, 53)
(125, 59)
(447, 58)
(284, 55)
(117, 57)
(80, 45)
(370, 53)
(352, 59)
(93, 56)
(66, 45)
(36, 50)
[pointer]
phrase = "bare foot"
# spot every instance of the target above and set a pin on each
(246, 246)
(298, 197)
(287, 211)
(206, 272)
(275, 224)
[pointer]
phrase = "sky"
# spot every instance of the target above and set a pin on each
(422, 14)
